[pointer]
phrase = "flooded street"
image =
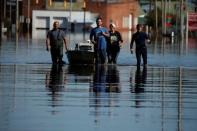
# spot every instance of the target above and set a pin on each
(35, 96)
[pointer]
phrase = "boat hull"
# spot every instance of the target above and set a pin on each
(80, 57)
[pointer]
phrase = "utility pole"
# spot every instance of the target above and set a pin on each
(1, 20)
(156, 17)
(162, 18)
(71, 4)
(28, 16)
(17, 17)
(165, 12)
(84, 19)
(182, 18)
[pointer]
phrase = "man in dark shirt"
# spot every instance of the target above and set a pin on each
(55, 41)
(140, 38)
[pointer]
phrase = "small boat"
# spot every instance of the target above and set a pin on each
(82, 54)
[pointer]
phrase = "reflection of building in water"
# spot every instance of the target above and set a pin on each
(140, 81)
(105, 84)
(55, 81)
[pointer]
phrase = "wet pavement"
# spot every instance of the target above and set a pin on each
(35, 96)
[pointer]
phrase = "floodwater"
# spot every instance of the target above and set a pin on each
(35, 96)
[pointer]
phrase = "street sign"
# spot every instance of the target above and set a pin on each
(192, 21)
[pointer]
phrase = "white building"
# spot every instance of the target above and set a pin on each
(42, 21)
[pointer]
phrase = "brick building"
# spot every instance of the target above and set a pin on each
(124, 13)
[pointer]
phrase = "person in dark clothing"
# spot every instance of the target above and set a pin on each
(114, 44)
(55, 41)
(140, 38)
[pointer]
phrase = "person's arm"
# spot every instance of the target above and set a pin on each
(131, 44)
(47, 42)
(65, 44)
(132, 41)
(120, 40)
(147, 38)
(105, 33)
(91, 36)
(64, 40)
(120, 37)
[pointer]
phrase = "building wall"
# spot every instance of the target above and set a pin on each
(33, 6)
(124, 14)
(42, 21)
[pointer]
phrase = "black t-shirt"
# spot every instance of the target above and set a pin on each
(140, 39)
(115, 38)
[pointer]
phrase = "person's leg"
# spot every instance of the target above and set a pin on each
(53, 56)
(144, 56)
(138, 57)
(96, 55)
(60, 55)
(102, 56)
(109, 54)
(112, 54)
(116, 52)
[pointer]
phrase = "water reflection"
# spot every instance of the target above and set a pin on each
(84, 70)
(99, 79)
(105, 79)
(138, 87)
(104, 91)
(55, 81)
(112, 79)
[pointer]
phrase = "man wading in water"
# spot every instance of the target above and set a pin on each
(56, 39)
(140, 38)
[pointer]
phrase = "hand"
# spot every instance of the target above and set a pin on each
(66, 51)
(131, 51)
(148, 40)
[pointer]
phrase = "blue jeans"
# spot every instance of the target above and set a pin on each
(102, 55)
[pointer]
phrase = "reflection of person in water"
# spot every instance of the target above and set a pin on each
(140, 81)
(97, 90)
(112, 79)
(105, 80)
(99, 80)
(55, 83)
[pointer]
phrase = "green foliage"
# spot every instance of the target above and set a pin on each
(151, 19)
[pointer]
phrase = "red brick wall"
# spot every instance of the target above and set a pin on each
(33, 5)
(114, 12)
